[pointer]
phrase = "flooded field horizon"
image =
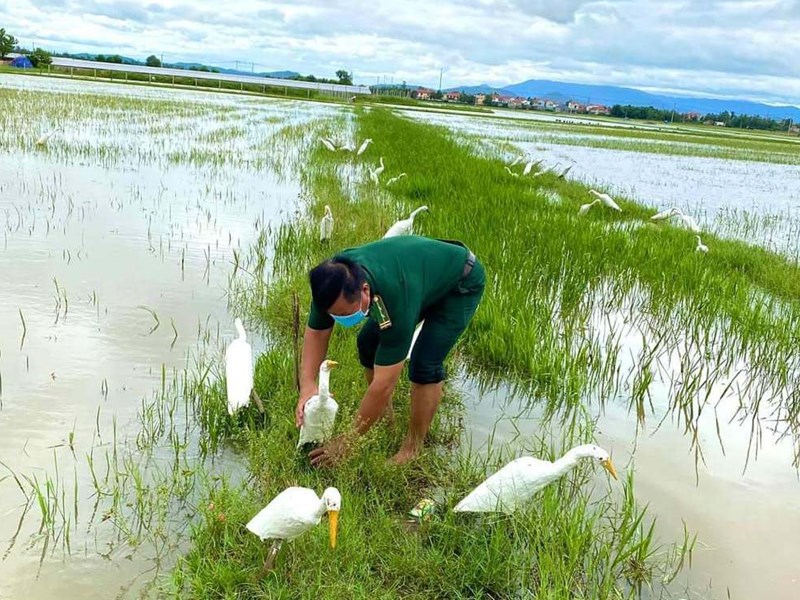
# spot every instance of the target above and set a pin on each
(121, 239)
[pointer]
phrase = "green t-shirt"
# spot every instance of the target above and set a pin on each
(409, 273)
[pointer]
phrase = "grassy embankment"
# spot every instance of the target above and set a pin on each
(571, 542)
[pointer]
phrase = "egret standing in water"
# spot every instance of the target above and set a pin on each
(319, 412)
(239, 372)
(42, 141)
(293, 512)
(326, 225)
(513, 485)
(404, 226)
(606, 199)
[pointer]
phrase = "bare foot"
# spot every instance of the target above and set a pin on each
(405, 455)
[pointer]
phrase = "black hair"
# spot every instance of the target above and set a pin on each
(335, 276)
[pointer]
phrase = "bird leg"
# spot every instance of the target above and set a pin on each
(269, 564)
(254, 395)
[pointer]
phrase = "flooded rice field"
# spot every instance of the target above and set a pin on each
(123, 236)
(119, 240)
(756, 202)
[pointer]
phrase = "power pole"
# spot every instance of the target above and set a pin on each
(441, 69)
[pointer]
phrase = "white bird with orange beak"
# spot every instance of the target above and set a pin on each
(319, 412)
(293, 512)
(514, 485)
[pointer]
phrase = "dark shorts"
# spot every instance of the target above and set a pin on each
(445, 321)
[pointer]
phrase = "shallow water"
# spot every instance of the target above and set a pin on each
(116, 250)
(758, 202)
(742, 499)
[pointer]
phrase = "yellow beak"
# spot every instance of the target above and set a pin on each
(332, 363)
(333, 526)
(610, 468)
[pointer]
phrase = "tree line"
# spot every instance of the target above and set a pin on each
(729, 118)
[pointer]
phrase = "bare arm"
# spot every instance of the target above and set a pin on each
(315, 347)
(377, 397)
(372, 406)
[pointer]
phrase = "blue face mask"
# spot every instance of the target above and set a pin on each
(351, 320)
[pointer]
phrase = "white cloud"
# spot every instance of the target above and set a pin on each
(743, 48)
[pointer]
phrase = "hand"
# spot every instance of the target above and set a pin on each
(331, 453)
(299, 411)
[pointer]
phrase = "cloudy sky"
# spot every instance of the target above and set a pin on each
(727, 48)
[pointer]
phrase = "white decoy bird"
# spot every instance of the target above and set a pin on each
(328, 144)
(606, 199)
(701, 247)
(319, 412)
(363, 147)
(513, 485)
(326, 225)
(293, 512)
(585, 207)
(404, 226)
(510, 172)
(375, 173)
(394, 180)
(42, 141)
(239, 372)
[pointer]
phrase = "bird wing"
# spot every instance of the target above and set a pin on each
(510, 487)
(290, 514)
(318, 420)
(238, 374)
(325, 227)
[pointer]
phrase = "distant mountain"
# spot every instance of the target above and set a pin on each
(482, 89)
(610, 95)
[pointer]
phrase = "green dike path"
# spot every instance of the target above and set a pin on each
(549, 274)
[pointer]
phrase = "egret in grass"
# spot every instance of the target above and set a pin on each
(319, 412)
(394, 180)
(328, 144)
(666, 214)
(42, 141)
(363, 147)
(293, 512)
(516, 161)
(529, 166)
(606, 199)
(586, 207)
(514, 485)
(690, 223)
(239, 372)
(374, 174)
(510, 172)
(565, 172)
(326, 225)
(701, 247)
(405, 226)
